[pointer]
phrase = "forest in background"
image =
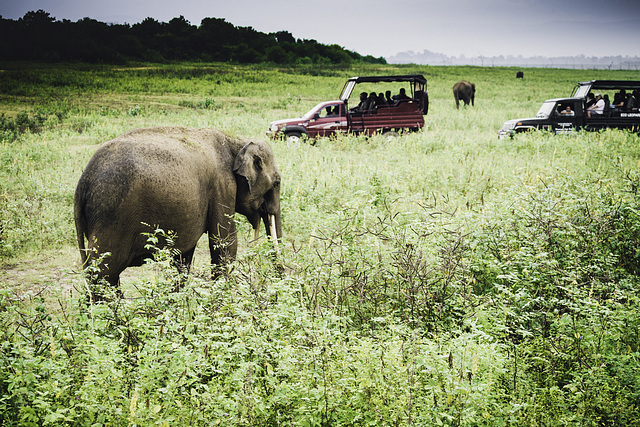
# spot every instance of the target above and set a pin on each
(38, 36)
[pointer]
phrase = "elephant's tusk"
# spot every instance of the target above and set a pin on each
(256, 233)
(272, 228)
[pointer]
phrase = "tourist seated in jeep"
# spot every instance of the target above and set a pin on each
(633, 101)
(387, 97)
(330, 111)
(619, 99)
(567, 111)
(363, 105)
(597, 107)
(402, 96)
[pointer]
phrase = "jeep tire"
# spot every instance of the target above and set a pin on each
(293, 139)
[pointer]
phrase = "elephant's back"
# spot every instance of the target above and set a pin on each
(166, 144)
(153, 169)
(463, 85)
(188, 136)
(160, 151)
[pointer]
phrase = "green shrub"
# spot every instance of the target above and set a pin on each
(561, 270)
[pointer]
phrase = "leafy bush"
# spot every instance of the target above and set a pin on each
(43, 116)
(389, 270)
(561, 271)
(208, 103)
(10, 129)
(239, 351)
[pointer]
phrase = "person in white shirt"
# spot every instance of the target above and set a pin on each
(567, 111)
(598, 107)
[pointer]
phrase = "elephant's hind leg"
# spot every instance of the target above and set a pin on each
(102, 275)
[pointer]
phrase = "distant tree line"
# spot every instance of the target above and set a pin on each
(39, 36)
(609, 62)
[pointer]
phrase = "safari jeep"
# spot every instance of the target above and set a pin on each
(374, 111)
(566, 115)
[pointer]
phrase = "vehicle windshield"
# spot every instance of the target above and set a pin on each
(309, 114)
(545, 110)
(581, 91)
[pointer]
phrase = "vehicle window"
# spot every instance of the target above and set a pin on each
(545, 110)
(565, 109)
(330, 111)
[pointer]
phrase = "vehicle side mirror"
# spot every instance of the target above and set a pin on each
(316, 116)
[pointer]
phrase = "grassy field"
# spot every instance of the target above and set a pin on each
(441, 278)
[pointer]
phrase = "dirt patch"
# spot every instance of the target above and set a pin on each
(54, 272)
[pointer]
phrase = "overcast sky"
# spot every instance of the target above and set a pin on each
(386, 27)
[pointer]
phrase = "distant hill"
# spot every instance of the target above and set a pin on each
(40, 37)
(427, 57)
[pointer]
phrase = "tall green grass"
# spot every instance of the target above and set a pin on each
(442, 278)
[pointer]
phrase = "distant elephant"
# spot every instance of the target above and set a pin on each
(464, 91)
(189, 181)
(519, 75)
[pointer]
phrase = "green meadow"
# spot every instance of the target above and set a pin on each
(444, 277)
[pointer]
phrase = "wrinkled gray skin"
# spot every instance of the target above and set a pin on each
(464, 91)
(190, 181)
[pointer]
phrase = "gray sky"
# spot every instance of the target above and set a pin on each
(385, 27)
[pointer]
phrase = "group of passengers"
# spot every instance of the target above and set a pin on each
(624, 101)
(597, 104)
(369, 102)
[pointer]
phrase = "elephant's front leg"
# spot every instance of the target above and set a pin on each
(223, 243)
(182, 263)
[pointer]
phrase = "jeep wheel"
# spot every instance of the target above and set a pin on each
(390, 135)
(293, 139)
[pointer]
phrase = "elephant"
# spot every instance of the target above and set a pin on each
(520, 75)
(185, 180)
(464, 91)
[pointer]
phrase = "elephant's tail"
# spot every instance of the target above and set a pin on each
(81, 227)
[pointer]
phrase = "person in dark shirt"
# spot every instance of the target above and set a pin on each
(401, 96)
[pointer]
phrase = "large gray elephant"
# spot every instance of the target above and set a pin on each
(189, 181)
(464, 91)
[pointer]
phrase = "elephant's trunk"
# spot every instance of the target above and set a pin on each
(273, 226)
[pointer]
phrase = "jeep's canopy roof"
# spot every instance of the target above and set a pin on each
(404, 78)
(583, 88)
(612, 84)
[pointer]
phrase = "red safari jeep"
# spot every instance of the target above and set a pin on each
(384, 106)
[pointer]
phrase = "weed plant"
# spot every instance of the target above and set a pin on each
(442, 278)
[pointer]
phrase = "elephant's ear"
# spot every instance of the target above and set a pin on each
(248, 164)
